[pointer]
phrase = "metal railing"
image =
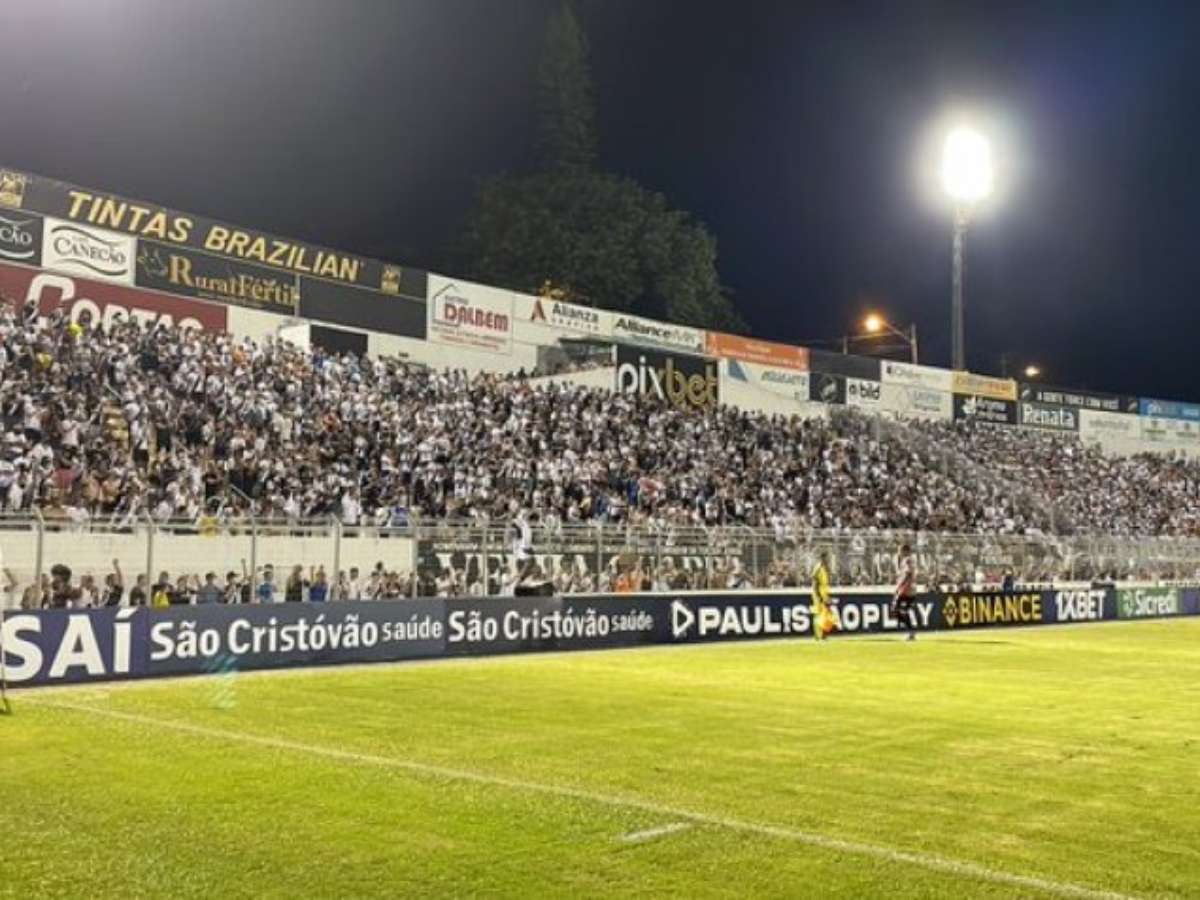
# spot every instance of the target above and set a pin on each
(486, 557)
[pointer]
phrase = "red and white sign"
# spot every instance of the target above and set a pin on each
(466, 314)
(105, 303)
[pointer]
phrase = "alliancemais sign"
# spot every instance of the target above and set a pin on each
(89, 252)
(107, 303)
(647, 332)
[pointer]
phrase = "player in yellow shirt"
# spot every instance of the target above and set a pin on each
(822, 617)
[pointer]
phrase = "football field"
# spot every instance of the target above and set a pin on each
(1054, 762)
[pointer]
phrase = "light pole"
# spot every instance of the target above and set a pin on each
(967, 178)
(877, 324)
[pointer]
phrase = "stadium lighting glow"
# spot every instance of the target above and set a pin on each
(1032, 371)
(967, 166)
(873, 323)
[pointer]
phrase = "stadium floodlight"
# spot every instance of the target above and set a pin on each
(875, 325)
(967, 178)
(967, 166)
(1032, 371)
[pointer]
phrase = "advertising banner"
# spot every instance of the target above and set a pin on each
(917, 402)
(846, 365)
(539, 320)
(767, 353)
(910, 375)
(863, 394)
(195, 639)
(21, 237)
(90, 208)
(106, 303)
(465, 314)
(88, 252)
(67, 646)
(723, 617)
(524, 624)
(1169, 409)
(974, 609)
(788, 383)
(1056, 396)
(684, 381)
(984, 386)
(1092, 605)
(649, 333)
(1148, 603)
(1049, 416)
(985, 409)
(175, 271)
(59, 646)
(343, 304)
(1099, 426)
(826, 388)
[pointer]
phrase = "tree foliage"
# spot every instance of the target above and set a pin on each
(600, 239)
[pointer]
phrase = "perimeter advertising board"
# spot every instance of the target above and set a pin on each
(164, 268)
(649, 333)
(984, 386)
(65, 646)
(356, 307)
(91, 208)
(1052, 417)
(106, 303)
(924, 377)
(791, 384)
(975, 408)
(913, 402)
(683, 380)
(465, 314)
(1056, 396)
(88, 252)
(1169, 409)
(540, 320)
(766, 353)
(20, 237)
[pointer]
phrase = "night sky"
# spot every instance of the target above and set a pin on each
(798, 133)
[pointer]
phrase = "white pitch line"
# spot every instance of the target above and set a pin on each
(781, 832)
(640, 837)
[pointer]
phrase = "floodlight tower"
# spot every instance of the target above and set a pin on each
(967, 178)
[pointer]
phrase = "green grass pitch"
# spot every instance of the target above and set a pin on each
(1060, 762)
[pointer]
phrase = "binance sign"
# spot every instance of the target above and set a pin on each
(684, 381)
(978, 609)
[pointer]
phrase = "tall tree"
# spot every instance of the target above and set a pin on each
(566, 103)
(598, 239)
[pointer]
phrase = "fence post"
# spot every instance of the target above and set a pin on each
(149, 556)
(253, 555)
(599, 553)
(334, 576)
(39, 553)
(485, 568)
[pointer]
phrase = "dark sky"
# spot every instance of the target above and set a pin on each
(796, 132)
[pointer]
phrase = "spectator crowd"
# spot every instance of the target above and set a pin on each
(126, 421)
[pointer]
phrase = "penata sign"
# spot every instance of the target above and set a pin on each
(106, 303)
(89, 252)
(1049, 416)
